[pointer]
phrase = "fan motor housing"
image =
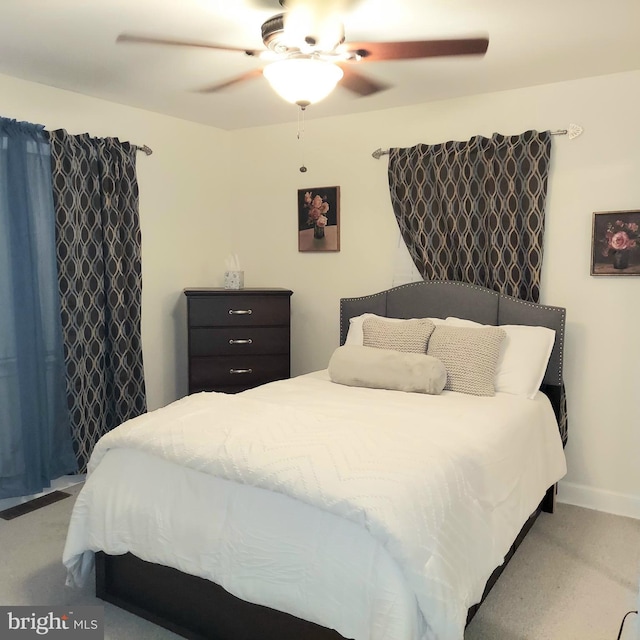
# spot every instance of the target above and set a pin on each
(273, 32)
(273, 36)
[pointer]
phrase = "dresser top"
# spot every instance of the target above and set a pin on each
(219, 291)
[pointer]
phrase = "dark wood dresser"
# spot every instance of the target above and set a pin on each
(238, 339)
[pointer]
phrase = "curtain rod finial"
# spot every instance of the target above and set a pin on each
(574, 131)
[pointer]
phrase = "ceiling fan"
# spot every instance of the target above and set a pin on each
(307, 54)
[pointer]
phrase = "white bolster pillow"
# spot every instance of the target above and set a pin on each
(359, 366)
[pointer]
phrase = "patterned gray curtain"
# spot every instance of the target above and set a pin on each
(98, 244)
(474, 211)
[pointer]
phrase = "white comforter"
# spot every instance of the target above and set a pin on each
(411, 500)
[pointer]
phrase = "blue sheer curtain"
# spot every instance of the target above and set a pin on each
(35, 437)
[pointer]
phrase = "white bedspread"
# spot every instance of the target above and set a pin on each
(427, 491)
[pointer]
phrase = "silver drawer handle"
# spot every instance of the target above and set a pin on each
(243, 341)
(240, 312)
(240, 370)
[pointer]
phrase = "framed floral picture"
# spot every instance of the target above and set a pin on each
(615, 247)
(319, 219)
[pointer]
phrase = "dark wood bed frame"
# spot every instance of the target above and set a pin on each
(199, 609)
(202, 610)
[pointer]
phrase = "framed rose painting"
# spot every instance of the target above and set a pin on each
(615, 247)
(319, 219)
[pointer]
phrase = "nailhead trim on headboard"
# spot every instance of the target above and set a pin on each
(533, 305)
(369, 297)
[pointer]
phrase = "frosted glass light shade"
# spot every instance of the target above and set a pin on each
(303, 81)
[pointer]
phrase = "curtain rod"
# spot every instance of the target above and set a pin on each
(573, 131)
(144, 148)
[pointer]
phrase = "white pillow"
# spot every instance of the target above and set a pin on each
(523, 359)
(355, 334)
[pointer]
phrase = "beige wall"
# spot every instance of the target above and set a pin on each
(598, 171)
(206, 193)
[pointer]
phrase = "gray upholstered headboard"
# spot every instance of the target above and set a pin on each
(439, 299)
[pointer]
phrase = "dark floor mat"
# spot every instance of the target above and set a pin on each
(32, 505)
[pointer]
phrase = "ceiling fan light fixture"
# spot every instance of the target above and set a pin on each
(303, 81)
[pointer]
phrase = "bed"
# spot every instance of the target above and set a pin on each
(308, 508)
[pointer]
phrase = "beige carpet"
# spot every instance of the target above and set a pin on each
(573, 578)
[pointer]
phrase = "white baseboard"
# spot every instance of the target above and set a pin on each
(619, 504)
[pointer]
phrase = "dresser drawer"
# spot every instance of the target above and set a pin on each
(215, 373)
(209, 341)
(239, 311)
(238, 339)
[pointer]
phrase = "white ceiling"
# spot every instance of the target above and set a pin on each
(71, 44)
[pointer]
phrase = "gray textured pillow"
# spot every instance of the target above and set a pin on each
(470, 357)
(358, 366)
(407, 335)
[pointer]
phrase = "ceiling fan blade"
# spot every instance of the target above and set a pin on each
(377, 51)
(249, 75)
(341, 7)
(140, 39)
(362, 85)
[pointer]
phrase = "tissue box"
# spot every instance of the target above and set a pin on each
(233, 279)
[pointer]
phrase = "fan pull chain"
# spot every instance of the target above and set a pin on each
(303, 169)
